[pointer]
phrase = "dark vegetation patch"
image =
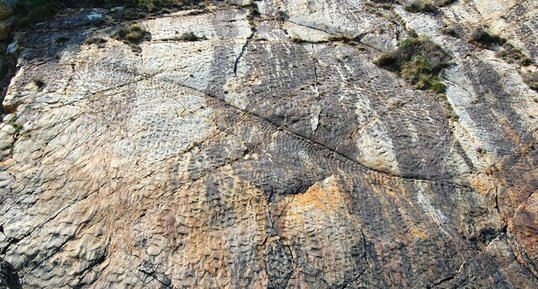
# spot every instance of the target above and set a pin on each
(505, 50)
(512, 54)
(416, 6)
(419, 61)
(426, 6)
(442, 3)
(452, 30)
(156, 4)
(134, 34)
(281, 15)
(28, 12)
(189, 36)
(386, 4)
(99, 41)
(482, 38)
(253, 11)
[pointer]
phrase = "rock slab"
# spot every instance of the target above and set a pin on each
(271, 152)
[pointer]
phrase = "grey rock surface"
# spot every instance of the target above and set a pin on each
(272, 152)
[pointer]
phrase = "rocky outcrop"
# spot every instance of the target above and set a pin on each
(268, 151)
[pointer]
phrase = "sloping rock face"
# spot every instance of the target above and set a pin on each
(271, 153)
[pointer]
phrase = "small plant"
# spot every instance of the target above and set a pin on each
(190, 36)
(442, 3)
(449, 111)
(514, 55)
(15, 125)
(282, 16)
(437, 86)
(481, 37)
(526, 61)
(96, 40)
(451, 30)
(419, 61)
(416, 6)
(28, 12)
(253, 11)
(133, 34)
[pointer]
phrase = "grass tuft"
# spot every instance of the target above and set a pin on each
(133, 34)
(190, 36)
(419, 61)
(481, 37)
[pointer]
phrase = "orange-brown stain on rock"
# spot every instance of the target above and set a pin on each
(524, 225)
(327, 197)
(484, 183)
(418, 233)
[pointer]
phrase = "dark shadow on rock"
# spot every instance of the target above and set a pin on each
(46, 42)
(9, 279)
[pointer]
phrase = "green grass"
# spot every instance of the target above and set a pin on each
(419, 61)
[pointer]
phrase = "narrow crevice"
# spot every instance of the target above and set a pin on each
(88, 269)
(441, 281)
(152, 275)
(523, 263)
(365, 247)
(243, 50)
(349, 281)
(448, 278)
(56, 250)
(357, 40)
(252, 14)
(497, 203)
(71, 77)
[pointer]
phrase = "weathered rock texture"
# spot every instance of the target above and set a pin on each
(271, 154)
